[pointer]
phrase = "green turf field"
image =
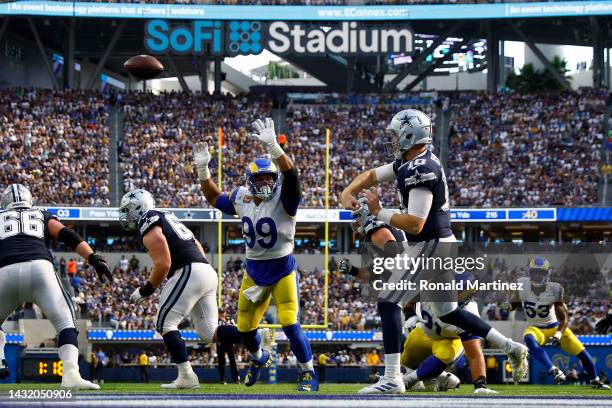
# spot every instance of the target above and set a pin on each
(330, 389)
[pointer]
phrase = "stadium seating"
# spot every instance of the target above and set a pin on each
(555, 137)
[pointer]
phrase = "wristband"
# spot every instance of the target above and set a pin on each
(385, 215)
(203, 173)
(147, 289)
(557, 335)
(275, 151)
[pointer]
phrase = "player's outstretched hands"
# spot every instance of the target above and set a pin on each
(603, 326)
(373, 201)
(264, 132)
(101, 267)
(201, 158)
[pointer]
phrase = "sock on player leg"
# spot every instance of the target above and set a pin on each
(391, 319)
(68, 349)
(176, 346)
(468, 322)
(588, 364)
(538, 352)
(430, 368)
(2, 344)
(228, 334)
(497, 339)
(300, 346)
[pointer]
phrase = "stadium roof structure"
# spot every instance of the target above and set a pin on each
(109, 41)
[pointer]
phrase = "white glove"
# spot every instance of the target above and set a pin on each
(137, 297)
(201, 158)
(267, 135)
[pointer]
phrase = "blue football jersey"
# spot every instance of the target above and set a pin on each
(425, 171)
(24, 235)
(183, 250)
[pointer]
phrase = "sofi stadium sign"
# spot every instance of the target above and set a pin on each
(280, 37)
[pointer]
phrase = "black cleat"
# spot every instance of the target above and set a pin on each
(4, 371)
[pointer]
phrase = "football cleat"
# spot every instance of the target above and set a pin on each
(385, 385)
(267, 336)
(72, 380)
(4, 371)
(517, 354)
(187, 381)
(557, 375)
(308, 381)
(446, 381)
(484, 390)
(418, 386)
(598, 385)
(255, 368)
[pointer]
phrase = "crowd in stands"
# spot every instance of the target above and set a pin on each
(56, 143)
(504, 149)
(509, 149)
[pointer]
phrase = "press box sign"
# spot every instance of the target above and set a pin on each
(280, 37)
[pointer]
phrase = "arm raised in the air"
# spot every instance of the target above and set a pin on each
(214, 196)
(291, 192)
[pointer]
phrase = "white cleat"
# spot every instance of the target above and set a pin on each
(385, 385)
(557, 375)
(184, 382)
(73, 381)
(446, 381)
(484, 390)
(418, 386)
(267, 337)
(517, 354)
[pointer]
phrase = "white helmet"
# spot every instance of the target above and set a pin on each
(408, 128)
(16, 196)
(133, 205)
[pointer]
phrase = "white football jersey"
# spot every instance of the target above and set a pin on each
(539, 309)
(267, 229)
(434, 327)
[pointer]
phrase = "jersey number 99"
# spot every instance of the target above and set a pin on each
(265, 229)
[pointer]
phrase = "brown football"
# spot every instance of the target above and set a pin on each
(144, 66)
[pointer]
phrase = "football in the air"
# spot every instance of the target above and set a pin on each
(144, 66)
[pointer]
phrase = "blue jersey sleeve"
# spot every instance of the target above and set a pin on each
(425, 175)
(225, 203)
(148, 220)
(291, 193)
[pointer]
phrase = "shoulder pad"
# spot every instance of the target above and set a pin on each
(241, 195)
(148, 220)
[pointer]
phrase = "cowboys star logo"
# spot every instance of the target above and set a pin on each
(407, 120)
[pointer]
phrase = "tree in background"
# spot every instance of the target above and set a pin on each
(534, 80)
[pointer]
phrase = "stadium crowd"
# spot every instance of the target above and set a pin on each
(504, 150)
(57, 144)
(542, 149)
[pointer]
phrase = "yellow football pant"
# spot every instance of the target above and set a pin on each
(419, 346)
(569, 342)
(285, 293)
